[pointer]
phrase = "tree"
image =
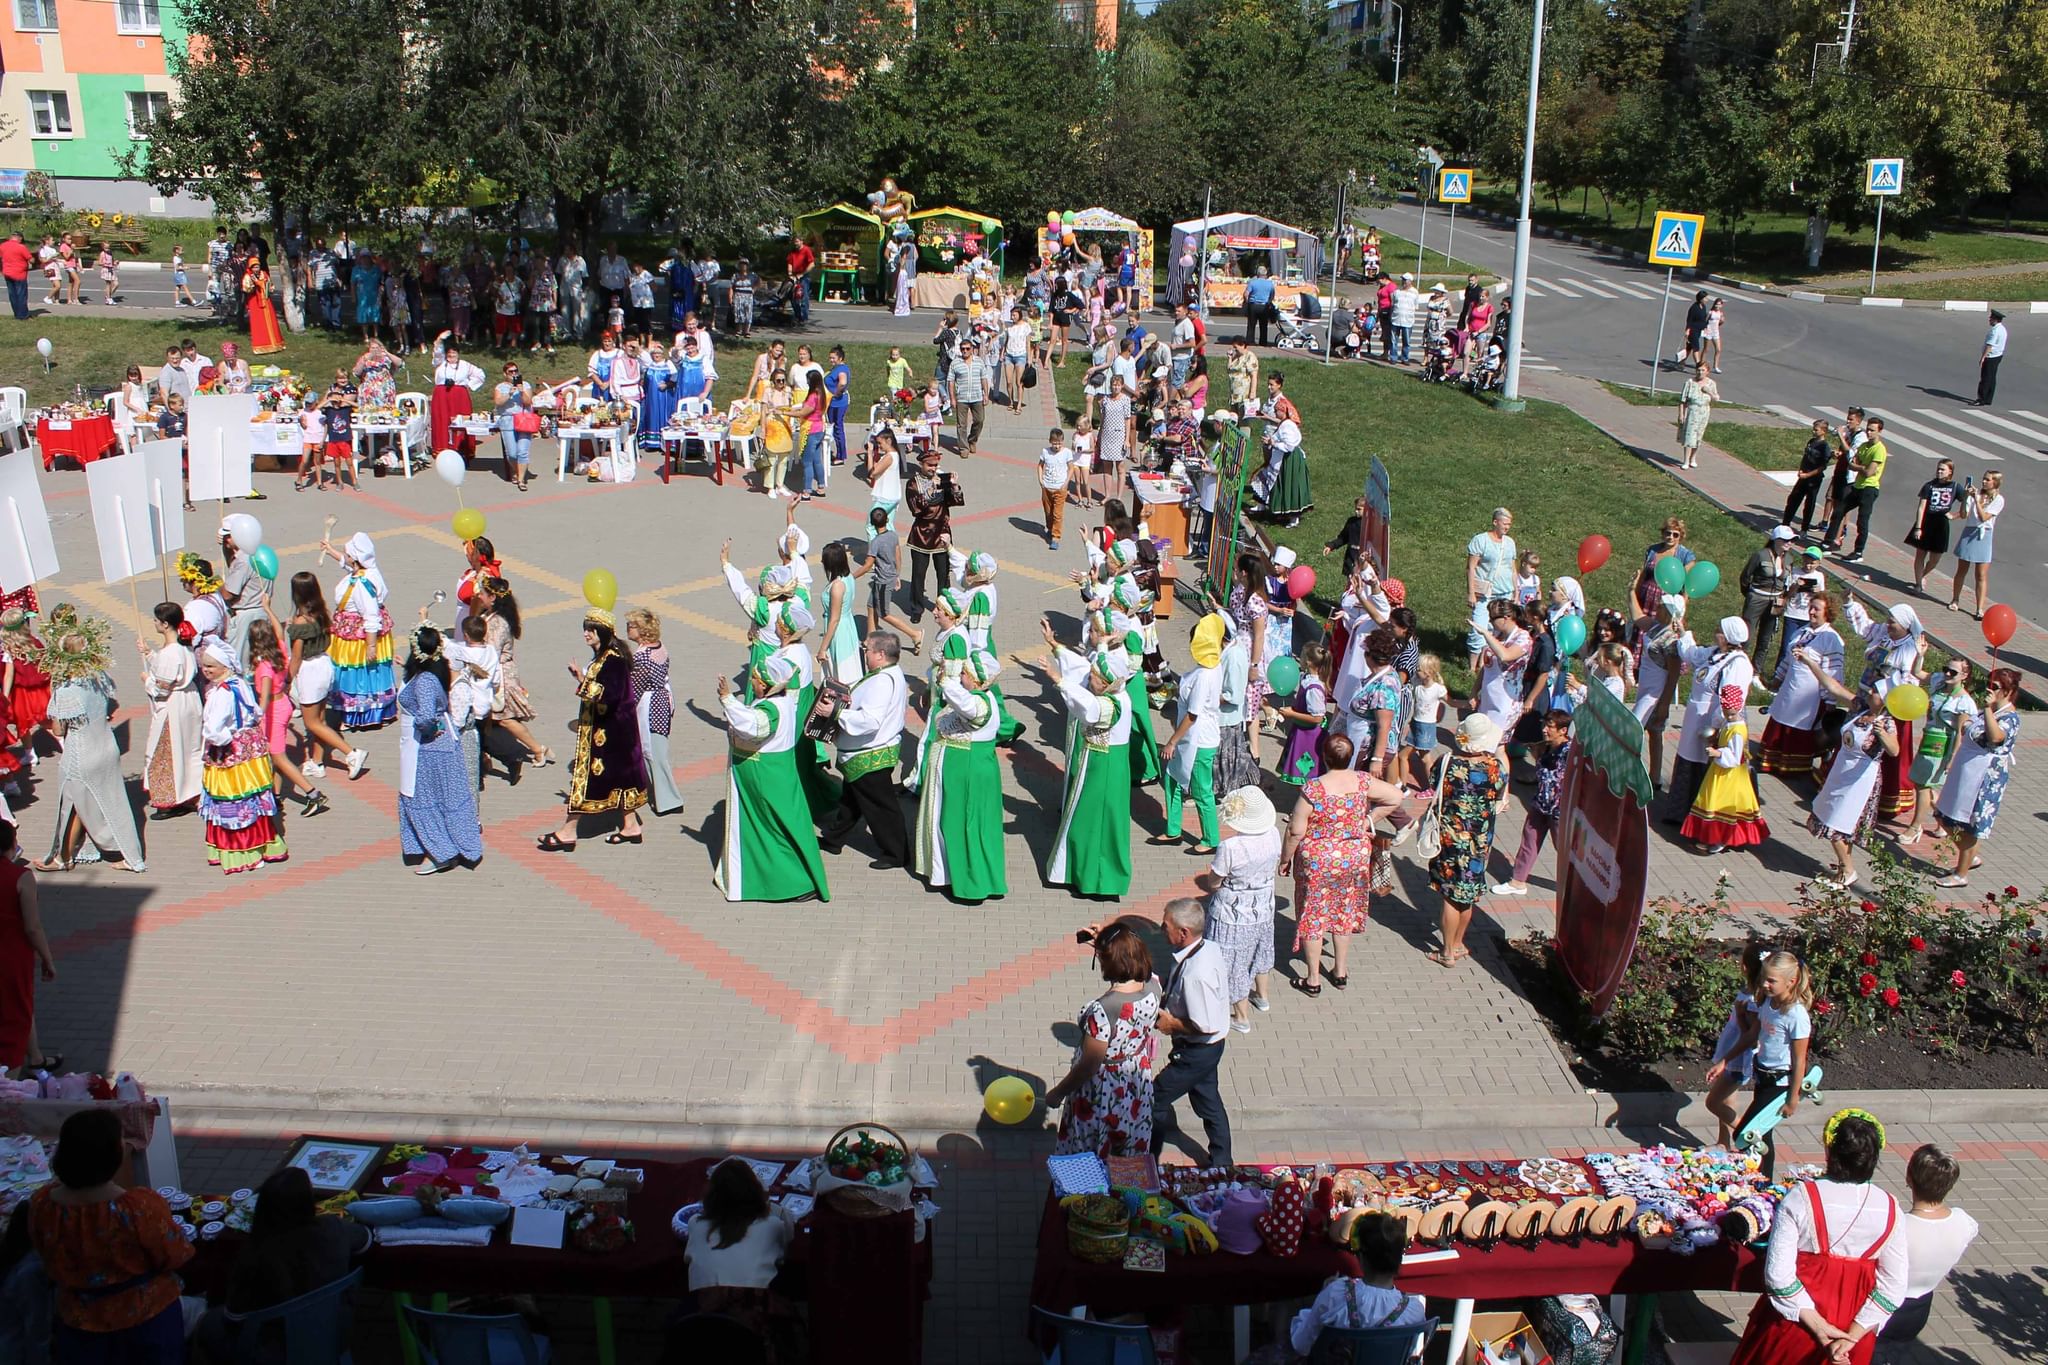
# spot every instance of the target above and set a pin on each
(290, 104)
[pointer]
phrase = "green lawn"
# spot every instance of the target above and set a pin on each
(1453, 460)
(1772, 246)
(1759, 447)
(2022, 288)
(95, 352)
(1643, 398)
(1397, 256)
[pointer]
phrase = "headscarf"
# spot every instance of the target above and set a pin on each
(1395, 591)
(360, 548)
(1207, 646)
(1283, 559)
(1734, 630)
(1574, 598)
(983, 666)
(795, 616)
(776, 581)
(1732, 699)
(773, 673)
(1123, 553)
(1134, 645)
(949, 598)
(1904, 615)
(1111, 665)
(216, 651)
(981, 565)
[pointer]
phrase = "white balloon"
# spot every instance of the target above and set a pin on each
(244, 531)
(448, 464)
(43, 347)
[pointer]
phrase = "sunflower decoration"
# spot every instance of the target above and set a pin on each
(197, 574)
(75, 646)
(116, 220)
(93, 220)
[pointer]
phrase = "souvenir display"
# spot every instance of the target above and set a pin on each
(1687, 1198)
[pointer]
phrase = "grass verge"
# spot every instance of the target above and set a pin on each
(1397, 255)
(2022, 288)
(1759, 447)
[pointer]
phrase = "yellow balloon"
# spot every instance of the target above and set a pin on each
(600, 589)
(1906, 702)
(467, 524)
(1009, 1099)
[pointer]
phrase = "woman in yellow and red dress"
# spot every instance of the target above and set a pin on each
(237, 798)
(265, 337)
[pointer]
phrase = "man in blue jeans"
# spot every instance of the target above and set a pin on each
(15, 260)
(838, 383)
(1258, 308)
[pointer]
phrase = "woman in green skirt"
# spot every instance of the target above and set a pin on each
(978, 573)
(959, 846)
(1145, 761)
(1092, 852)
(949, 651)
(789, 621)
(770, 851)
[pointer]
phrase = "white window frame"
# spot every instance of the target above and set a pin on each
(151, 17)
(47, 7)
(52, 96)
(152, 98)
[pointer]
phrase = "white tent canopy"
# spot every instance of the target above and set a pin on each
(1306, 251)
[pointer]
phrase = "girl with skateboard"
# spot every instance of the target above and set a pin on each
(1780, 1030)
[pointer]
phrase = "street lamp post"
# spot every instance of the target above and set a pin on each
(1518, 318)
(1400, 29)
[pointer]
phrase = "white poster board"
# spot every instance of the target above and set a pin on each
(163, 463)
(219, 436)
(26, 551)
(119, 488)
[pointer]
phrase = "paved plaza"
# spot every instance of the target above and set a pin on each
(611, 997)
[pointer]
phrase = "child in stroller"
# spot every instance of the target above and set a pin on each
(1298, 329)
(1441, 354)
(1491, 368)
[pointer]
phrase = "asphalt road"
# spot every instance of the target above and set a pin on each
(1591, 313)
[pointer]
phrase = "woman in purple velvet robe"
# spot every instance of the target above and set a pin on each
(609, 772)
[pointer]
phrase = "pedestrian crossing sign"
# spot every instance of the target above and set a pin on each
(1884, 175)
(1675, 240)
(1454, 186)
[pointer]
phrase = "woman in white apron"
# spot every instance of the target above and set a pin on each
(1846, 807)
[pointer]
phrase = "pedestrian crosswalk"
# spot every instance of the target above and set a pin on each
(1956, 434)
(1584, 285)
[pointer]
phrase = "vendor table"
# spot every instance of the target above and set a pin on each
(939, 291)
(650, 1266)
(1161, 508)
(612, 436)
(410, 431)
(1062, 1281)
(481, 427)
(83, 439)
(280, 438)
(854, 292)
(716, 441)
(914, 432)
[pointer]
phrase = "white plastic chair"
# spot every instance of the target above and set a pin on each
(14, 402)
(413, 404)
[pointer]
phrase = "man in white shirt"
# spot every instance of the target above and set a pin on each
(193, 363)
(869, 744)
(1987, 363)
(1195, 1013)
(1183, 343)
(612, 275)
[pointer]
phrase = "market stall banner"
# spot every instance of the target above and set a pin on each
(1265, 243)
(1603, 850)
(1233, 457)
(1376, 536)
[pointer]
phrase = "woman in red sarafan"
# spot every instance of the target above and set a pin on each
(24, 686)
(1836, 1266)
(1107, 1092)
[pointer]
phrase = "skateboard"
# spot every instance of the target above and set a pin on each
(1753, 1133)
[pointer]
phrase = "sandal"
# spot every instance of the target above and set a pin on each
(1306, 988)
(546, 757)
(49, 1062)
(1951, 882)
(60, 865)
(620, 837)
(1340, 982)
(554, 843)
(1443, 959)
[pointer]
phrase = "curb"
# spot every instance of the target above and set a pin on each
(253, 1108)
(1752, 287)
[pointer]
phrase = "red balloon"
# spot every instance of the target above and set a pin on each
(2000, 622)
(1301, 581)
(1593, 552)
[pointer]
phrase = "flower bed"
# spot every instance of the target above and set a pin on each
(1908, 992)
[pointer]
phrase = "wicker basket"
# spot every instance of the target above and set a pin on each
(859, 1199)
(1098, 1227)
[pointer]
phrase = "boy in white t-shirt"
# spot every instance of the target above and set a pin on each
(1054, 464)
(475, 674)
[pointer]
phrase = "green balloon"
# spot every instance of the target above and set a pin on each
(1702, 578)
(1283, 675)
(1068, 217)
(1671, 574)
(263, 560)
(1569, 632)
(989, 226)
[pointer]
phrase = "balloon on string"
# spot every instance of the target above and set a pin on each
(43, 347)
(243, 531)
(1593, 552)
(1283, 675)
(263, 560)
(1301, 581)
(600, 589)
(2000, 624)
(1670, 574)
(1008, 1099)
(1908, 701)
(1068, 217)
(1570, 633)
(989, 225)
(448, 464)
(467, 524)
(1702, 578)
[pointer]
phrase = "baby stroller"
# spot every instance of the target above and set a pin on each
(1491, 369)
(1440, 356)
(1298, 330)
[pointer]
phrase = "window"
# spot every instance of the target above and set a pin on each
(137, 16)
(145, 107)
(35, 14)
(49, 113)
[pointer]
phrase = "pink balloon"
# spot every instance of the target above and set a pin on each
(1301, 581)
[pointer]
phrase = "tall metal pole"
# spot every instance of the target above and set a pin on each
(1202, 258)
(1663, 316)
(1330, 314)
(1400, 30)
(1876, 242)
(1422, 233)
(1518, 316)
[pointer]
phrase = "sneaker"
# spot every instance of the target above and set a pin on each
(316, 771)
(1261, 1003)
(356, 759)
(1508, 889)
(429, 868)
(1240, 1026)
(1853, 557)
(1055, 545)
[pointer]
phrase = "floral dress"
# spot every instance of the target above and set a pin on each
(376, 383)
(1248, 611)
(1976, 780)
(1473, 785)
(1111, 1115)
(1333, 866)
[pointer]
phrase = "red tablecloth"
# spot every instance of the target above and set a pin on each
(86, 440)
(651, 1266)
(1060, 1280)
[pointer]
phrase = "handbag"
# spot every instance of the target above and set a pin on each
(1429, 833)
(1030, 376)
(526, 422)
(1932, 755)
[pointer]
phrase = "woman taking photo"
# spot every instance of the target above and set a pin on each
(1968, 804)
(1105, 1099)
(1331, 852)
(1980, 509)
(512, 405)
(609, 771)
